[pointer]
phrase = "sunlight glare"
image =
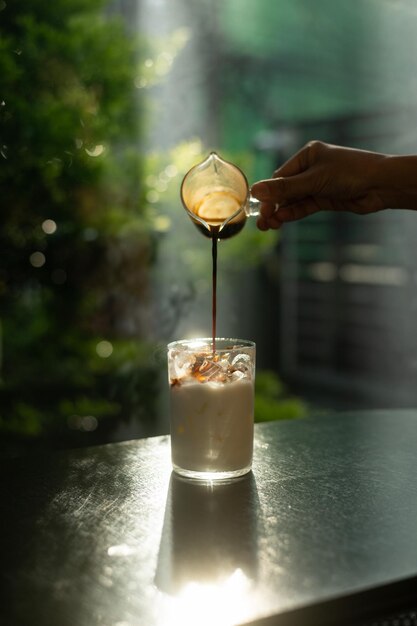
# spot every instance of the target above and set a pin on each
(222, 603)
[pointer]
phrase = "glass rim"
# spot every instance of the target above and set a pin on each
(197, 343)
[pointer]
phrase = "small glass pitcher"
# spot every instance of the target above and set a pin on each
(215, 194)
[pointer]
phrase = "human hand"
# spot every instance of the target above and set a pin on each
(321, 177)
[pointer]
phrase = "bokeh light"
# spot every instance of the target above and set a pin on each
(37, 259)
(49, 227)
(104, 349)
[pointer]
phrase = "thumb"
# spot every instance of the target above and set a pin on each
(283, 190)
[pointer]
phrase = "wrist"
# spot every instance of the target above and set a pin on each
(395, 181)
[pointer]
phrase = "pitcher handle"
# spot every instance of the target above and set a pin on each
(252, 207)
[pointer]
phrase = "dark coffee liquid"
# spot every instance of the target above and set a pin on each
(214, 291)
(214, 232)
(233, 228)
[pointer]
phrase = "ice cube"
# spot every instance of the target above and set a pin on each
(237, 375)
(206, 369)
(183, 363)
(224, 363)
(242, 363)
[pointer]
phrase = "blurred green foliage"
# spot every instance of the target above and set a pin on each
(76, 239)
(272, 401)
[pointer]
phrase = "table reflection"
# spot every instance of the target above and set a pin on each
(209, 534)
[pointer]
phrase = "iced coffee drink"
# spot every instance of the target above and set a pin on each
(212, 405)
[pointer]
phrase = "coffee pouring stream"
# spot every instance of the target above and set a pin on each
(215, 194)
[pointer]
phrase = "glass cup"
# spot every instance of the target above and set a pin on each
(211, 407)
(215, 193)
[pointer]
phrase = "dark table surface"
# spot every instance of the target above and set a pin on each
(324, 531)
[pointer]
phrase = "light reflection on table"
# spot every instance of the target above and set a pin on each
(208, 555)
